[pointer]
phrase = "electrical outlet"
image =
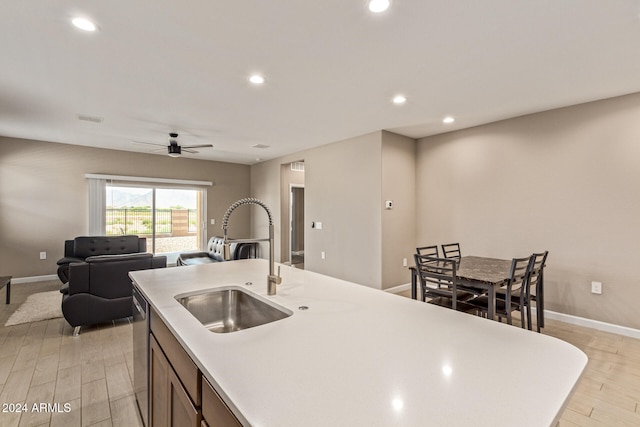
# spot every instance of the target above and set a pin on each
(213, 222)
(322, 255)
(43, 255)
(404, 262)
(596, 288)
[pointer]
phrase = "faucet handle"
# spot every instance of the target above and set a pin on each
(226, 250)
(278, 278)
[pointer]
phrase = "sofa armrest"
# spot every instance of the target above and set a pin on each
(189, 255)
(68, 248)
(69, 260)
(78, 278)
(183, 259)
(159, 261)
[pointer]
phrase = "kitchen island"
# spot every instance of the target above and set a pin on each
(355, 356)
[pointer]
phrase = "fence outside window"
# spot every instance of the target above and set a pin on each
(174, 222)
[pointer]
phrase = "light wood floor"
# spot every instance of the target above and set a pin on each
(42, 363)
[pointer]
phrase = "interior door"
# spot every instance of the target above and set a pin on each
(296, 243)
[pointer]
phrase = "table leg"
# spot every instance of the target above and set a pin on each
(491, 309)
(414, 284)
(540, 301)
(8, 292)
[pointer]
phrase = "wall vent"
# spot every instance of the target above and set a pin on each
(297, 166)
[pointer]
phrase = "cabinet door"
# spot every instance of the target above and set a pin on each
(182, 413)
(214, 409)
(170, 403)
(158, 385)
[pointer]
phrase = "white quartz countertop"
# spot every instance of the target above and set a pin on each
(364, 357)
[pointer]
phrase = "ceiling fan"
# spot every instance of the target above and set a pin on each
(174, 149)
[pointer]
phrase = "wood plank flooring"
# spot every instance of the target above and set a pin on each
(42, 362)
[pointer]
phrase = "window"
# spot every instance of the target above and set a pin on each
(168, 213)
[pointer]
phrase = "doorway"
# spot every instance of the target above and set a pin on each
(296, 229)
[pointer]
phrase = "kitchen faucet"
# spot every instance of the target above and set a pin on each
(272, 279)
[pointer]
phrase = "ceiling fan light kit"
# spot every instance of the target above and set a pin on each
(174, 149)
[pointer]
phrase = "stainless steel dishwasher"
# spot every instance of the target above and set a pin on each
(141, 354)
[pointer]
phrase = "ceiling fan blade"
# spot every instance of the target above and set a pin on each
(197, 146)
(188, 150)
(148, 143)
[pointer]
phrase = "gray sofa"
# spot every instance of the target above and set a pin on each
(100, 289)
(214, 252)
(80, 248)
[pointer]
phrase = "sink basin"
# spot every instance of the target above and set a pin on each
(231, 309)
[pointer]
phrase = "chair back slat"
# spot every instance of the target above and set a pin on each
(451, 250)
(430, 251)
(439, 272)
(518, 277)
(536, 268)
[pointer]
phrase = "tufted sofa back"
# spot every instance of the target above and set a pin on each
(215, 247)
(84, 247)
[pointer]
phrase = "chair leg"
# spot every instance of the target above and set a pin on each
(76, 331)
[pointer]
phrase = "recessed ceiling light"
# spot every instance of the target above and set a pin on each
(84, 24)
(377, 6)
(399, 99)
(448, 120)
(256, 79)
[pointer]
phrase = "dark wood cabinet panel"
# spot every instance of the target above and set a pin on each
(159, 385)
(186, 370)
(214, 410)
(182, 413)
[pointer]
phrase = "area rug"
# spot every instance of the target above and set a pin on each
(40, 306)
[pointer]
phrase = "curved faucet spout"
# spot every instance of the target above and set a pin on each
(272, 279)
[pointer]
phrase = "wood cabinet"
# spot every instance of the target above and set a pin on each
(171, 405)
(214, 410)
(179, 395)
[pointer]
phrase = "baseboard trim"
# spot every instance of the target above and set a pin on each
(31, 279)
(593, 324)
(399, 288)
(562, 317)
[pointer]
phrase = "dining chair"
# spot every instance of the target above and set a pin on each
(430, 251)
(535, 282)
(438, 281)
(451, 250)
(514, 292)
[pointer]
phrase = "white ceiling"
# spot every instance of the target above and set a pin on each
(332, 67)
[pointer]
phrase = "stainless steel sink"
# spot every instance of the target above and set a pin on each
(231, 309)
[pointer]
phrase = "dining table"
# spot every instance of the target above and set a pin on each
(476, 273)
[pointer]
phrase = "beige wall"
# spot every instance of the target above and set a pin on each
(43, 195)
(566, 181)
(346, 184)
(398, 223)
(342, 190)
